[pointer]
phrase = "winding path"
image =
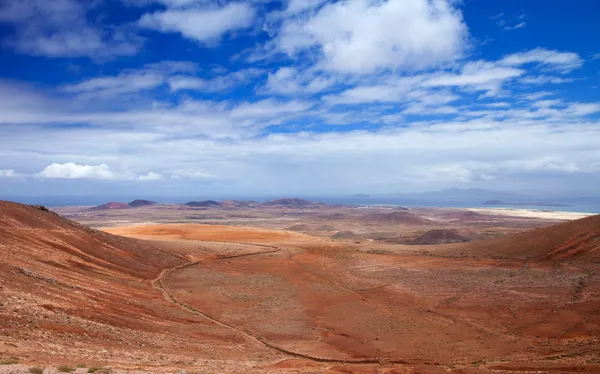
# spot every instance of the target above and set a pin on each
(159, 284)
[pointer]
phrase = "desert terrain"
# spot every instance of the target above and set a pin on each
(297, 287)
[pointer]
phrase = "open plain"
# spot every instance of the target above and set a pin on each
(300, 288)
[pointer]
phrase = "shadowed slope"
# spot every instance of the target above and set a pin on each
(68, 292)
(574, 240)
(31, 233)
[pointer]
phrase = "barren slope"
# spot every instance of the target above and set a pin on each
(69, 293)
(577, 240)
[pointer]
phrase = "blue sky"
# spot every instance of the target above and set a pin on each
(180, 97)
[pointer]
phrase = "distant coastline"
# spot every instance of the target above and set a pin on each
(500, 202)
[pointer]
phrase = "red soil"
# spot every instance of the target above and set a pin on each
(294, 303)
(191, 231)
(398, 217)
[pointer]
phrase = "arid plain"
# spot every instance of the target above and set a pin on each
(293, 286)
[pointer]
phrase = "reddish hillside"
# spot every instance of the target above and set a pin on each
(446, 236)
(398, 217)
(574, 240)
(69, 293)
(32, 234)
(111, 206)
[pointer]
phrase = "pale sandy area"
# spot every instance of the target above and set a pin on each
(531, 213)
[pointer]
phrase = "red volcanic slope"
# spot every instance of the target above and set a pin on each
(574, 240)
(69, 293)
(112, 205)
(32, 234)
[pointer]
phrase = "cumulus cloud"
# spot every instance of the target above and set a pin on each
(203, 24)
(71, 170)
(359, 36)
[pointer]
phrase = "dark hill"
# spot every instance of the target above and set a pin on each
(111, 206)
(445, 236)
(139, 203)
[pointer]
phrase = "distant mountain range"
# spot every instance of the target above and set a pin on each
(294, 203)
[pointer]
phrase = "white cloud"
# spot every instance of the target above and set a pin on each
(8, 173)
(289, 81)
(479, 75)
(206, 25)
(359, 36)
(183, 82)
(583, 109)
(299, 6)
(129, 80)
(269, 108)
(59, 28)
(71, 170)
(192, 175)
(538, 95)
(219, 83)
(519, 25)
(117, 85)
(562, 61)
(150, 177)
(544, 79)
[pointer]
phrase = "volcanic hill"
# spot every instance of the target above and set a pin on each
(113, 205)
(140, 203)
(446, 236)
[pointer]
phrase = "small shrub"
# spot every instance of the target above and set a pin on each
(65, 369)
(36, 370)
(80, 365)
(11, 361)
(93, 370)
